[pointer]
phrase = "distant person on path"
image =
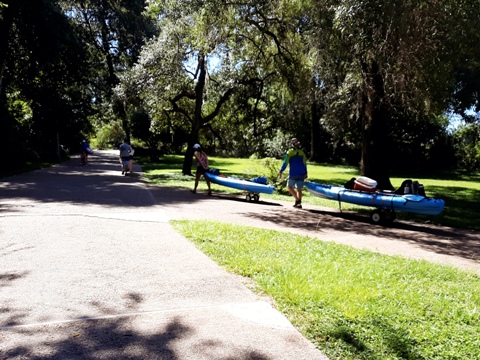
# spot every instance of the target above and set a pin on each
(202, 167)
(296, 158)
(85, 151)
(125, 150)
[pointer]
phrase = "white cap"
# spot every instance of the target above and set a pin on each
(196, 146)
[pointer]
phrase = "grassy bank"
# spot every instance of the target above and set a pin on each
(461, 192)
(353, 304)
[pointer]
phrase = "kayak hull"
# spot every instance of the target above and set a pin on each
(240, 184)
(381, 200)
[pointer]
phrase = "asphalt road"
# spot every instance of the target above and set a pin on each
(91, 269)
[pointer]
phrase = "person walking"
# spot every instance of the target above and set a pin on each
(125, 150)
(297, 160)
(202, 167)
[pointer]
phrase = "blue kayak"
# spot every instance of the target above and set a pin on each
(240, 184)
(385, 201)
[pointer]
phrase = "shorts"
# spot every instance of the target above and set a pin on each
(297, 181)
(201, 170)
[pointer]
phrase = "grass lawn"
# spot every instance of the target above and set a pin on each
(352, 304)
(461, 192)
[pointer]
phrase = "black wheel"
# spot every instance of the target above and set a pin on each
(256, 197)
(248, 197)
(376, 217)
(389, 216)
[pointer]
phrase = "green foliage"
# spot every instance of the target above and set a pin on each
(110, 135)
(353, 304)
(271, 167)
(467, 146)
(241, 76)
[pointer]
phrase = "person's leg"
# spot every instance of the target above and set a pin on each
(292, 192)
(197, 178)
(208, 184)
(130, 165)
(299, 197)
(300, 182)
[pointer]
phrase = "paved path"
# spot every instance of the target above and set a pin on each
(90, 268)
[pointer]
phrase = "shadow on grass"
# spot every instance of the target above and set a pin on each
(396, 341)
(442, 240)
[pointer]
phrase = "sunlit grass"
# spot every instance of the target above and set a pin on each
(353, 304)
(461, 192)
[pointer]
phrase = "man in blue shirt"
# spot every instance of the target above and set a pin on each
(297, 160)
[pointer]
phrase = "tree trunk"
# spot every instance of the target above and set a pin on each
(198, 118)
(375, 145)
(318, 147)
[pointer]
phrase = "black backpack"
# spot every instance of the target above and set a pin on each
(350, 184)
(411, 187)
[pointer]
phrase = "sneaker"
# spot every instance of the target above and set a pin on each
(123, 172)
(194, 191)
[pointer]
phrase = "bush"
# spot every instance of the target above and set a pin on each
(110, 135)
(270, 168)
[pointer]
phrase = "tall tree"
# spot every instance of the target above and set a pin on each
(43, 69)
(174, 68)
(402, 56)
(115, 31)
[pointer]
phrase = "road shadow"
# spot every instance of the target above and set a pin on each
(99, 183)
(116, 339)
(442, 240)
(110, 337)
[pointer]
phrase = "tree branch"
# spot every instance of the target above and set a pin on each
(220, 103)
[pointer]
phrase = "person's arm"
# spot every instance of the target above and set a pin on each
(284, 163)
(206, 166)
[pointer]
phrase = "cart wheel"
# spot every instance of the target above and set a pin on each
(256, 197)
(389, 216)
(248, 197)
(376, 217)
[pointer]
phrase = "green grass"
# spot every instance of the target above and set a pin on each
(352, 304)
(461, 192)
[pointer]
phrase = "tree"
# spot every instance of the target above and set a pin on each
(402, 56)
(115, 31)
(43, 68)
(173, 76)
(254, 46)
